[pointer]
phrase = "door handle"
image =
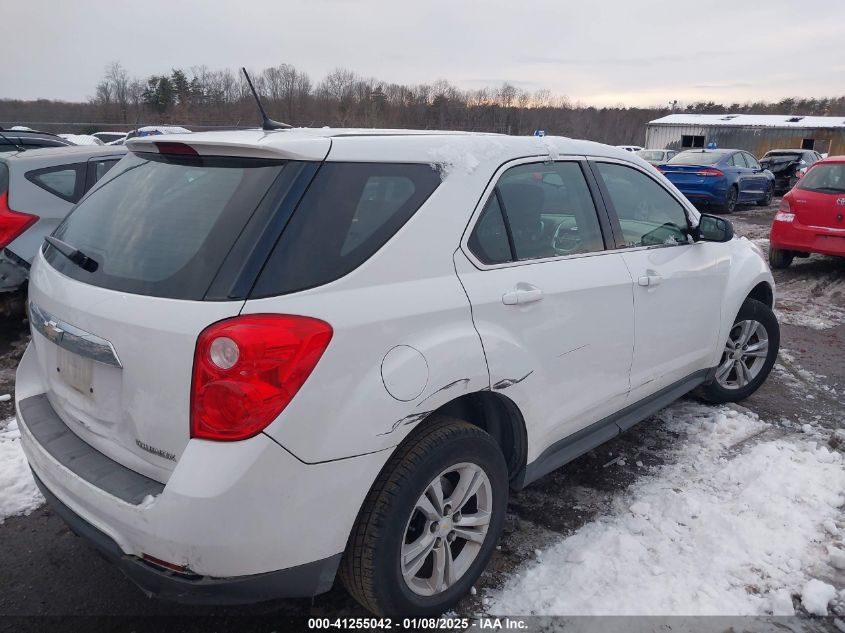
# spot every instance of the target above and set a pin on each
(521, 295)
(650, 280)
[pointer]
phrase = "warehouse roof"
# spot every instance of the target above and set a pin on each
(752, 120)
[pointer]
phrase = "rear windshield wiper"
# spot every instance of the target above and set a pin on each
(73, 254)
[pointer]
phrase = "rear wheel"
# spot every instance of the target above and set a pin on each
(730, 200)
(779, 258)
(748, 355)
(766, 200)
(430, 522)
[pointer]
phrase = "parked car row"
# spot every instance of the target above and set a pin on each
(811, 217)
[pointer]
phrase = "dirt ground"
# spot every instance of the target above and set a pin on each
(45, 569)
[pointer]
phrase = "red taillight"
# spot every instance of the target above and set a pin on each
(710, 173)
(178, 149)
(12, 223)
(247, 369)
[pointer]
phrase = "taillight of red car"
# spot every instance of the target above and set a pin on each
(784, 213)
(12, 223)
(247, 370)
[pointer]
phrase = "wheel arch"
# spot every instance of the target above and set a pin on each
(497, 415)
(764, 293)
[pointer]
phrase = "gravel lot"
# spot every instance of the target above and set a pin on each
(45, 569)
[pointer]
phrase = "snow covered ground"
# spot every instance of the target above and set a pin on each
(742, 517)
(18, 492)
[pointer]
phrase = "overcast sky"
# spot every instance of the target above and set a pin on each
(602, 52)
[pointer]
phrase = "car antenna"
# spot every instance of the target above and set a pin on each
(266, 123)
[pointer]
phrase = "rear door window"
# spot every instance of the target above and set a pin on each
(65, 181)
(537, 211)
(162, 226)
(348, 213)
(751, 161)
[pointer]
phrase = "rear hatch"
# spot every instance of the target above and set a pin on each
(782, 165)
(115, 345)
(818, 200)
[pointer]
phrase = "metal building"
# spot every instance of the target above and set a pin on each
(756, 133)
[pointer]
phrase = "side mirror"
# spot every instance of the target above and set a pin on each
(712, 228)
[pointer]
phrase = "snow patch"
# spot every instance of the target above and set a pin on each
(18, 492)
(816, 595)
(731, 527)
(463, 158)
(813, 303)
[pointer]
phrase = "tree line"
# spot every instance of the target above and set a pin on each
(199, 96)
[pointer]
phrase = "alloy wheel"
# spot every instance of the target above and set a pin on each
(446, 529)
(744, 355)
(730, 204)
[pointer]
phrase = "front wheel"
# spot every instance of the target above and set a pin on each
(748, 355)
(430, 523)
(766, 200)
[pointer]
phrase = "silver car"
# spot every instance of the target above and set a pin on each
(37, 190)
(657, 156)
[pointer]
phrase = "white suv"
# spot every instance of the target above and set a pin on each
(260, 359)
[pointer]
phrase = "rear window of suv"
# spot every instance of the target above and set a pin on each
(349, 212)
(162, 226)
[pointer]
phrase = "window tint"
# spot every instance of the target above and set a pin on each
(732, 161)
(549, 210)
(64, 181)
(648, 214)
(739, 160)
(751, 161)
(824, 177)
(161, 226)
(489, 238)
(349, 212)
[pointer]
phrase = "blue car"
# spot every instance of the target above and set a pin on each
(721, 178)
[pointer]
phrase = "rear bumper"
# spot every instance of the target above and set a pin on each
(233, 514)
(794, 236)
(301, 581)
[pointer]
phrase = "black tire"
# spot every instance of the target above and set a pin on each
(766, 200)
(779, 258)
(730, 200)
(755, 310)
(370, 569)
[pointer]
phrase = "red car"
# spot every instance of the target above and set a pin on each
(811, 217)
